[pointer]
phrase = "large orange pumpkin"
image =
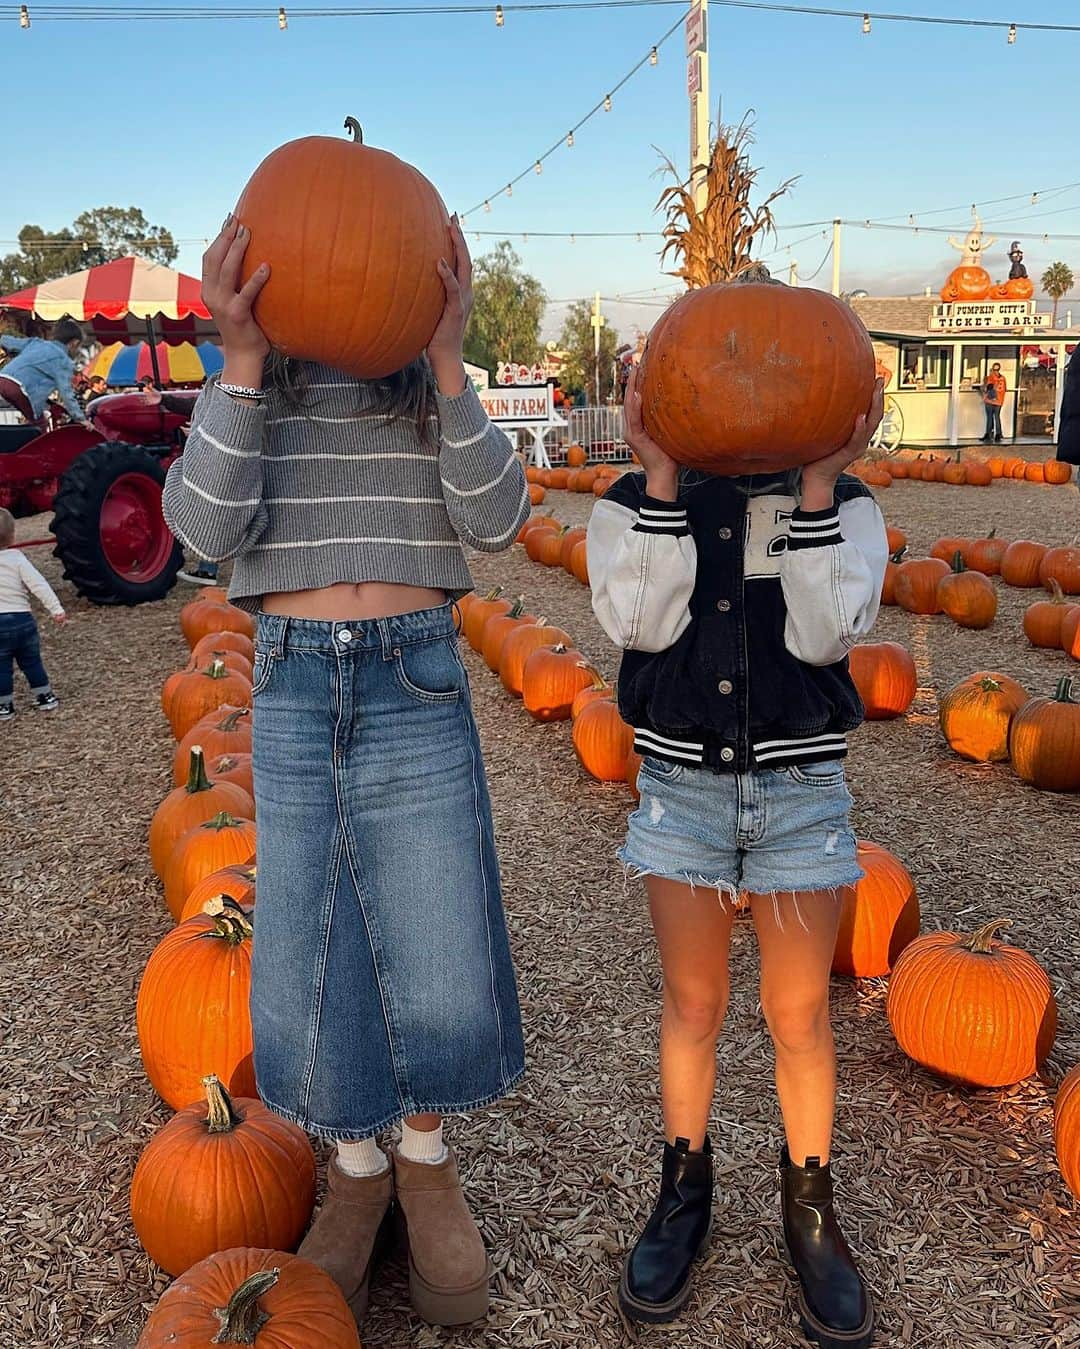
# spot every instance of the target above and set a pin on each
(202, 617)
(198, 692)
(1020, 563)
(1043, 619)
(256, 1297)
(1063, 566)
(192, 1010)
(334, 217)
(1044, 742)
(520, 645)
(754, 378)
(972, 1009)
(1057, 472)
(226, 730)
(602, 740)
(967, 597)
(239, 642)
(220, 1174)
(571, 538)
(977, 475)
(219, 842)
(185, 807)
(917, 583)
(985, 554)
(1067, 1130)
(576, 456)
(947, 548)
(976, 715)
(884, 676)
(236, 882)
(598, 687)
(498, 628)
(879, 916)
(551, 679)
(479, 612)
(967, 283)
(233, 768)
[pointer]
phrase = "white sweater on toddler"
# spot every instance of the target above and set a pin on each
(19, 579)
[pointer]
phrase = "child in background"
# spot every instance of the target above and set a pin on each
(18, 628)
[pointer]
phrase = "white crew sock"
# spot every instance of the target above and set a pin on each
(362, 1159)
(422, 1145)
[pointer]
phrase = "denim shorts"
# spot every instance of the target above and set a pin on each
(382, 984)
(762, 833)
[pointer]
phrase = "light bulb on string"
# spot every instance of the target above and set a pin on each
(487, 207)
(282, 18)
(866, 23)
(24, 17)
(570, 140)
(1012, 34)
(654, 57)
(524, 238)
(607, 102)
(499, 16)
(572, 239)
(1034, 198)
(539, 167)
(509, 189)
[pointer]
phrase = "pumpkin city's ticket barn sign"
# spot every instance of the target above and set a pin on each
(986, 314)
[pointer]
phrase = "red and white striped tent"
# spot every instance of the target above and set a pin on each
(115, 300)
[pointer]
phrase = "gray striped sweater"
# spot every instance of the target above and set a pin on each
(306, 496)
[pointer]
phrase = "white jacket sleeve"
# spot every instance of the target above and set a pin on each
(831, 574)
(642, 569)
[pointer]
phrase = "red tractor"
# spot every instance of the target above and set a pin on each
(104, 487)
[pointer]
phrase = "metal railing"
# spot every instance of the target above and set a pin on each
(599, 430)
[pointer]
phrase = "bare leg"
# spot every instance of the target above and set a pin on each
(796, 957)
(424, 1123)
(693, 933)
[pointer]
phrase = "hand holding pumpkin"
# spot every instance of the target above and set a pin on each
(819, 478)
(444, 349)
(661, 471)
(229, 302)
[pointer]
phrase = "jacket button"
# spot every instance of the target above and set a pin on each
(724, 532)
(724, 606)
(727, 755)
(725, 686)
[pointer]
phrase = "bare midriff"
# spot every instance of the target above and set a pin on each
(348, 601)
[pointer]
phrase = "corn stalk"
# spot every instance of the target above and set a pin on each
(715, 244)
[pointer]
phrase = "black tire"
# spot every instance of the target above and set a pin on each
(77, 509)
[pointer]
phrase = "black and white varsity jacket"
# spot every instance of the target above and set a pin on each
(736, 611)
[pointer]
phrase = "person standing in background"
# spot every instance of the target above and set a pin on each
(993, 401)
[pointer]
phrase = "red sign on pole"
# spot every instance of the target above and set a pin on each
(695, 31)
(693, 74)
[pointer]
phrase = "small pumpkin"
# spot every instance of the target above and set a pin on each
(550, 680)
(916, 587)
(233, 768)
(576, 456)
(1063, 566)
(1020, 563)
(955, 472)
(558, 478)
(201, 691)
(223, 641)
(252, 1296)
(977, 475)
(570, 540)
(221, 1173)
(234, 661)
(967, 597)
(899, 468)
(520, 645)
(985, 554)
(946, 549)
(888, 581)
(600, 486)
(1043, 619)
(498, 628)
(884, 676)
(1070, 631)
(976, 715)
(1057, 473)
(579, 562)
(537, 493)
(598, 687)
(226, 730)
(185, 807)
(202, 617)
(879, 915)
(1034, 473)
(972, 1009)
(235, 882)
(1067, 1130)
(191, 1013)
(479, 613)
(897, 539)
(996, 466)
(548, 548)
(602, 740)
(1044, 742)
(218, 842)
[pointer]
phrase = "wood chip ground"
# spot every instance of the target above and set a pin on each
(966, 1232)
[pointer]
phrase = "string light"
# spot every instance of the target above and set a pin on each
(509, 189)
(570, 140)
(539, 167)
(487, 207)
(654, 57)
(866, 23)
(282, 19)
(607, 102)
(1012, 34)
(499, 17)
(24, 17)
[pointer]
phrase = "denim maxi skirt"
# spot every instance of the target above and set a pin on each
(382, 984)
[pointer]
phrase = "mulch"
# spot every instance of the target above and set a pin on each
(966, 1232)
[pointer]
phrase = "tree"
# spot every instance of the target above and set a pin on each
(579, 342)
(715, 244)
(1056, 282)
(96, 236)
(507, 310)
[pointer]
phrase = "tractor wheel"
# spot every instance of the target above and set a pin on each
(110, 534)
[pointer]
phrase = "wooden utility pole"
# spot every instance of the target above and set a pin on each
(597, 322)
(836, 257)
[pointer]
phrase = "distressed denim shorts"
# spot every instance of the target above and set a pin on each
(763, 833)
(382, 984)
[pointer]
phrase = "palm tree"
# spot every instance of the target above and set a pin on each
(715, 244)
(1056, 282)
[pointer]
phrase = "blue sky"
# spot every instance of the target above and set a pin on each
(173, 117)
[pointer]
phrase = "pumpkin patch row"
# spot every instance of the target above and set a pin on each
(960, 473)
(579, 478)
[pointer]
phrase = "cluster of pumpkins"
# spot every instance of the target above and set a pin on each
(578, 476)
(225, 1189)
(961, 473)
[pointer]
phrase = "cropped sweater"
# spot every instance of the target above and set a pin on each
(306, 496)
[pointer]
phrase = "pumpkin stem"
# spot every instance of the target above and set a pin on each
(221, 1118)
(517, 608)
(231, 923)
(233, 720)
(217, 669)
(982, 942)
(1057, 595)
(898, 556)
(222, 820)
(992, 534)
(1063, 692)
(598, 680)
(197, 779)
(243, 1318)
(559, 649)
(988, 684)
(352, 126)
(958, 562)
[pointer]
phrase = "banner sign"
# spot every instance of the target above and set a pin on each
(519, 404)
(693, 75)
(695, 31)
(987, 314)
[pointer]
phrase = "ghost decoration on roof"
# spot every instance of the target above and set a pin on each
(970, 281)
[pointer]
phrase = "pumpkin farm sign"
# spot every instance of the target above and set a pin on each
(999, 314)
(519, 404)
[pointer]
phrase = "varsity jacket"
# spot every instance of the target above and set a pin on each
(735, 610)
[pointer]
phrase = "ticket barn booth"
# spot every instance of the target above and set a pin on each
(938, 368)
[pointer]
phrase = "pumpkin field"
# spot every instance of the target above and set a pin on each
(949, 1183)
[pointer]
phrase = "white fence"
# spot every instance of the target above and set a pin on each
(599, 430)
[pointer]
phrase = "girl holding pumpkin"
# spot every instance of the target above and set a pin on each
(736, 600)
(382, 985)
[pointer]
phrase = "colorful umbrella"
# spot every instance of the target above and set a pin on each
(117, 298)
(183, 364)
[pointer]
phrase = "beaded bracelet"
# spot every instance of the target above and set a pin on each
(242, 391)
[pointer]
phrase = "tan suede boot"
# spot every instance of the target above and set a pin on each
(449, 1271)
(342, 1239)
